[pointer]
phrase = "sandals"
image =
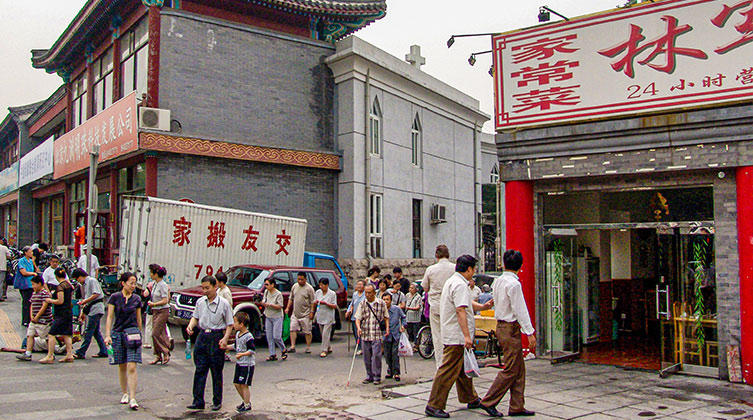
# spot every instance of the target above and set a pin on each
(323, 354)
(47, 360)
(272, 358)
(284, 355)
(67, 359)
(166, 360)
(156, 361)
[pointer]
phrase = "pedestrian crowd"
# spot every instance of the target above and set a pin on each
(385, 314)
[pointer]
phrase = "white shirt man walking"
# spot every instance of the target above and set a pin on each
(434, 279)
(512, 318)
(458, 329)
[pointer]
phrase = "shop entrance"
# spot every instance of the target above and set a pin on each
(638, 294)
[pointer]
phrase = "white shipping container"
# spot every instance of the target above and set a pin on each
(193, 240)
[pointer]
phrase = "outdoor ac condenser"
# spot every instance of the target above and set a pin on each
(154, 119)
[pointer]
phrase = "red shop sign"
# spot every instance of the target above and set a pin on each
(114, 130)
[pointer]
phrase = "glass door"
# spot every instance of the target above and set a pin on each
(563, 315)
(686, 298)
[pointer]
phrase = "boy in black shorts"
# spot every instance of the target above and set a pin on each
(244, 354)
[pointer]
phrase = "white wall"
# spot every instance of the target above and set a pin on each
(621, 257)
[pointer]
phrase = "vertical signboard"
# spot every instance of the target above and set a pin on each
(653, 57)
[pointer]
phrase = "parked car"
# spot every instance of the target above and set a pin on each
(246, 282)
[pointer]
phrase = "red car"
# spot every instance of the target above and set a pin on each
(246, 282)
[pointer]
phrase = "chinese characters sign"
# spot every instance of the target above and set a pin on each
(649, 58)
(36, 164)
(115, 130)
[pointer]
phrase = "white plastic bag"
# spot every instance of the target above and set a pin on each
(470, 365)
(405, 349)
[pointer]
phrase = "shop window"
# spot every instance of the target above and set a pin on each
(78, 204)
(45, 228)
(102, 95)
(10, 225)
(134, 55)
(131, 181)
(78, 101)
(103, 202)
(57, 222)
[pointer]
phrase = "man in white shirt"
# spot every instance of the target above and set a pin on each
(434, 279)
(458, 329)
(512, 318)
(49, 273)
(93, 268)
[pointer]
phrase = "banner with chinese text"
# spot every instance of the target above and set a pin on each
(115, 130)
(37, 163)
(673, 54)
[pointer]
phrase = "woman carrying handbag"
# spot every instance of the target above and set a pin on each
(123, 337)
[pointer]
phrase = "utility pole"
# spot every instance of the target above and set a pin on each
(91, 213)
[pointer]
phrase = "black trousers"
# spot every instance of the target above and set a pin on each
(208, 356)
(26, 305)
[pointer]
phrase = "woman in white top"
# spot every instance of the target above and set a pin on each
(272, 303)
(158, 303)
(326, 304)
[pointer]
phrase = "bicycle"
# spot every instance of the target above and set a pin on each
(424, 342)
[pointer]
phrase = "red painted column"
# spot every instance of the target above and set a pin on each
(114, 212)
(745, 250)
(152, 81)
(519, 225)
(151, 174)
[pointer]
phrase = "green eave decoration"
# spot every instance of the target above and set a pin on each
(333, 31)
(149, 3)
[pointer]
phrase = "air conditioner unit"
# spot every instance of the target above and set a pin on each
(438, 214)
(154, 119)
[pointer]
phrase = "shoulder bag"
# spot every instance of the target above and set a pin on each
(132, 338)
(382, 324)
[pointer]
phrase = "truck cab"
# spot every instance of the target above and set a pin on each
(327, 262)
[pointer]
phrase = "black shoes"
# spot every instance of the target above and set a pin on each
(524, 413)
(195, 407)
(492, 411)
(435, 412)
(216, 407)
(474, 404)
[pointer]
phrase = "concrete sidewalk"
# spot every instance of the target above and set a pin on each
(587, 392)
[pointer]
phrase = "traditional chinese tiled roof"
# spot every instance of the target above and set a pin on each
(330, 8)
(16, 115)
(337, 19)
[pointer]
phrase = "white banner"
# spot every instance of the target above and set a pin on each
(37, 163)
(674, 54)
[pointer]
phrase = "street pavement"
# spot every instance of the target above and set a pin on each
(307, 387)
(302, 387)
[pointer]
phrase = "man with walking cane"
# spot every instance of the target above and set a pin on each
(214, 317)
(371, 317)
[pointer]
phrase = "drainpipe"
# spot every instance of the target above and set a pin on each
(367, 164)
(477, 223)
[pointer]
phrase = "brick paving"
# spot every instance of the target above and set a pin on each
(585, 392)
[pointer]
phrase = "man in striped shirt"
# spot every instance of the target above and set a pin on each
(41, 317)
